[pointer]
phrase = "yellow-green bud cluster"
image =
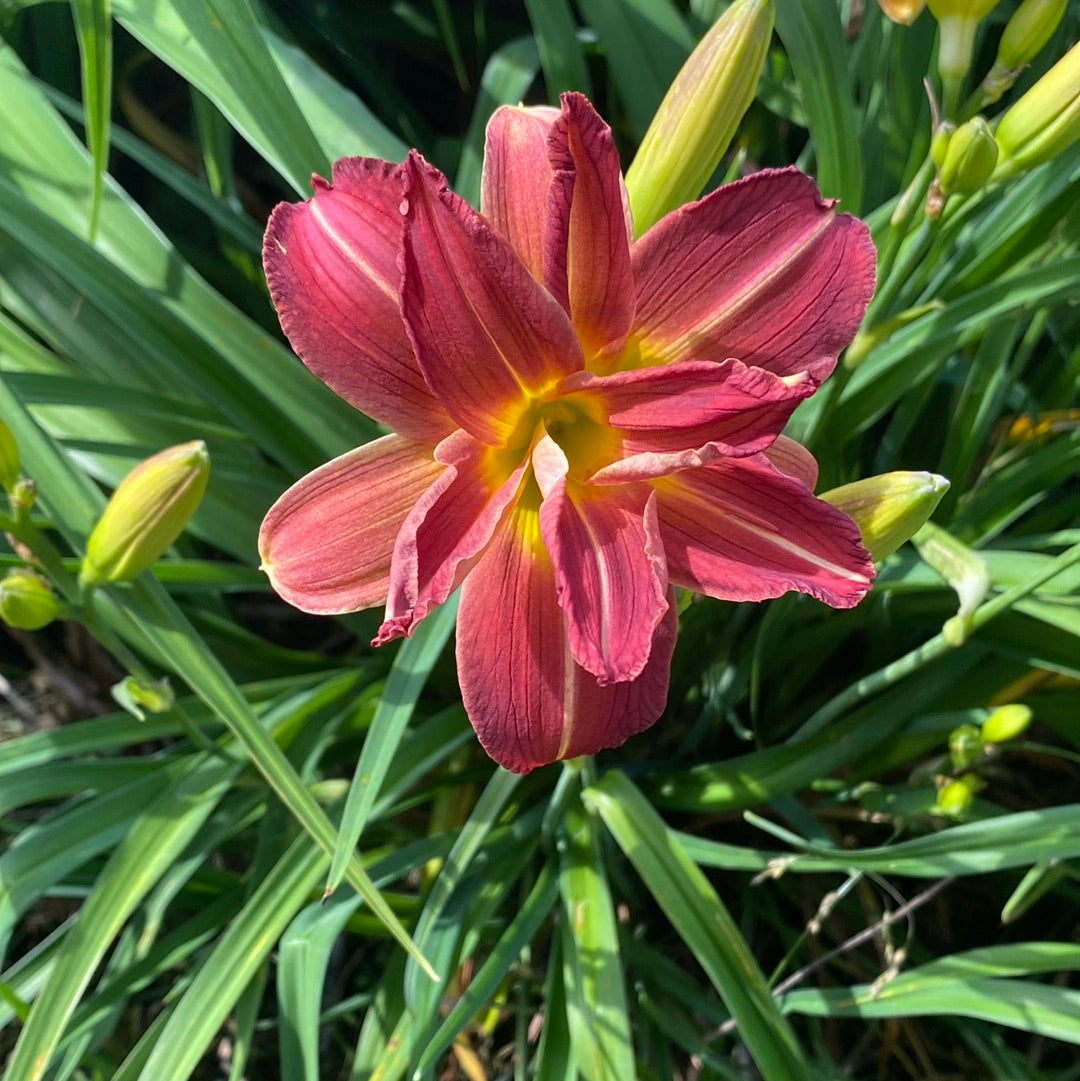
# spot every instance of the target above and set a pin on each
(147, 512)
(1044, 122)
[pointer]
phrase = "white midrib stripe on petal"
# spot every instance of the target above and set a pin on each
(351, 254)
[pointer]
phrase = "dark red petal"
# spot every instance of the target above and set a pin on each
(331, 265)
(610, 574)
(763, 270)
(587, 243)
(529, 702)
(516, 179)
(326, 543)
(741, 530)
(487, 335)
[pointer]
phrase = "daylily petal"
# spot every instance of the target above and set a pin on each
(610, 573)
(331, 264)
(447, 529)
(326, 543)
(487, 335)
(516, 178)
(762, 269)
(662, 413)
(587, 245)
(741, 530)
(528, 701)
(793, 459)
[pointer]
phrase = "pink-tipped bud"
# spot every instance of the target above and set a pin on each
(147, 512)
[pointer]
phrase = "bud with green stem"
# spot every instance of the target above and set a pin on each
(147, 512)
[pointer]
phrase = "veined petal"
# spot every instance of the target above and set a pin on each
(741, 530)
(763, 269)
(326, 543)
(447, 529)
(331, 264)
(587, 244)
(516, 178)
(487, 335)
(793, 459)
(610, 573)
(528, 700)
(707, 409)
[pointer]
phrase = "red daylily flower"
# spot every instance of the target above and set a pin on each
(582, 421)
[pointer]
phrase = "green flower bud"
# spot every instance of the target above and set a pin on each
(1005, 723)
(700, 112)
(142, 698)
(957, 22)
(9, 459)
(965, 746)
(939, 141)
(147, 512)
(955, 798)
(969, 158)
(1044, 122)
(964, 570)
(1027, 31)
(26, 601)
(890, 508)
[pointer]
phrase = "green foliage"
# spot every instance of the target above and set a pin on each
(764, 876)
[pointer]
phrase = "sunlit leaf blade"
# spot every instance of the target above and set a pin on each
(813, 39)
(595, 986)
(408, 674)
(150, 847)
(698, 914)
(94, 29)
(232, 963)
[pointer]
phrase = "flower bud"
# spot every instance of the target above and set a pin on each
(140, 698)
(965, 746)
(956, 797)
(902, 11)
(1027, 31)
(700, 113)
(147, 512)
(1005, 723)
(957, 22)
(964, 570)
(890, 508)
(26, 601)
(969, 158)
(1044, 122)
(9, 459)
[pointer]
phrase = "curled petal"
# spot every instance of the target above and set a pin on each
(487, 336)
(331, 265)
(793, 459)
(516, 179)
(610, 574)
(686, 414)
(326, 543)
(741, 530)
(447, 530)
(528, 700)
(762, 269)
(587, 244)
